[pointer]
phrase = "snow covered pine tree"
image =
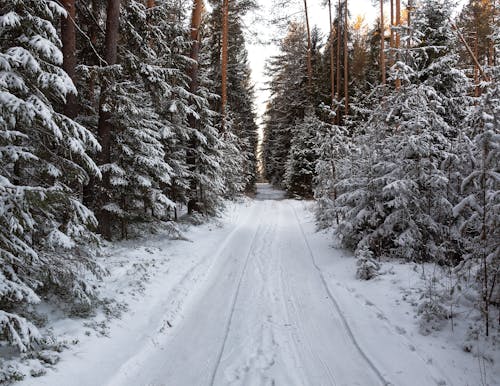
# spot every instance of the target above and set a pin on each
(44, 228)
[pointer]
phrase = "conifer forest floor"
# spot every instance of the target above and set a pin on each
(258, 297)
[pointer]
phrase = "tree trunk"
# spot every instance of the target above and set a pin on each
(382, 43)
(89, 191)
(193, 87)
(491, 43)
(195, 41)
(112, 32)
(477, 91)
(409, 9)
(473, 54)
(332, 48)
(93, 41)
(398, 38)
(225, 43)
(339, 34)
(105, 127)
(309, 52)
(68, 38)
(346, 61)
(391, 41)
(150, 3)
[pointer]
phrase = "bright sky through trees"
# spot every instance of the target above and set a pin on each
(263, 29)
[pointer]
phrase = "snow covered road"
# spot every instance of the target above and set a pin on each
(262, 317)
(255, 308)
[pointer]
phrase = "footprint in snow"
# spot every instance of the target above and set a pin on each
(381, 316)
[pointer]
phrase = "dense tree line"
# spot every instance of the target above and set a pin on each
(110, 119)
(404, 162)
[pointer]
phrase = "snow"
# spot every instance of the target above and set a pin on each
(259, 298)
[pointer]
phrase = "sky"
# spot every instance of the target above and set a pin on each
(261, 29)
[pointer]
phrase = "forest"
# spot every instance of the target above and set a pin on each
(394, 130)
(119, 117)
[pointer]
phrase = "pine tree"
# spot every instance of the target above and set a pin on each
(332, 143)
(44, 228)
(300, 168)
(405, 188)
(289, 100)
(240, 93)
(479, 211)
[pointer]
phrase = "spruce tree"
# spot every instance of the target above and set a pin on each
(44, 160)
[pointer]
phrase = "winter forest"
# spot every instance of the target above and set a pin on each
(128, 127)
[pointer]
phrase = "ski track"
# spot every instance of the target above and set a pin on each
(337, 308)
(233, 305)
(255, 309)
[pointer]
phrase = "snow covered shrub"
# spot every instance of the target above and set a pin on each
(10, 372)
(232, 169)
(43, 164)
(331, 142)
(433, 316)
(479, 212)
(368, 267)
(398, 198)
(300, 168)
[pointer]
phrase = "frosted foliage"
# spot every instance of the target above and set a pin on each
(288, 104)
(479, 211)
(158, 156)
(234, 160)
(393, 194)
(43, 157)
(300, 168)
(404, 189)
(332, 145)
(367, 266)
(18, 331)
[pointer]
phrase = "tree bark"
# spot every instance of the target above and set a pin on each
(225, 43)
(398, 38)
(193, 87)
(105, 126)
(339, 34)
(332, 48)
(409, 9)
(391, 41)
(477, 91)
(473, 54)
(195, 44)
(93, 41)
(68, 38)
(382, 43)
(309, 52)
(346, 61)
(112, 32)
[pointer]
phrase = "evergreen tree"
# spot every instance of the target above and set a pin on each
(289, 100)
(240, 90)
(300, 168)
(407, 208)
(333, 145)
(44, 228)
(479, 211)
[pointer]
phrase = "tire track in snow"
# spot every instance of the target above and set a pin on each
(178, 294)
(336, 306)
(408, 343)
(295, 309)
(233, 306)
(177, 297)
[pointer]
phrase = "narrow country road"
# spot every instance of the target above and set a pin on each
(249, 304)
(264, 317)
